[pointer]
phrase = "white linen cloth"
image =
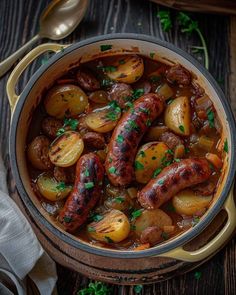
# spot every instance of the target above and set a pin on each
(20, 252)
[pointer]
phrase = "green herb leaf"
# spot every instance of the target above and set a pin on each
(142, 154)
(138, 289)
(165, 235)
(61, 186)
(186, 150)
(196, 219)
(211, 118)
(108, 69)
(120, 138)
(86, 172)
(226, 147)
(156, 172)
(138, 165)
(154, 78)
(89, 185)
(136, 93)
(169, 151)
(122, 62)
(105, 47)
(60, 131)
(136, 213)
(152, 54)
(161, 181)
(91, 229)
(96, 217)
(96, 288)
(67, 219)
(170, 207)
(73, 123)
(108, 239)
(119, 200)
(112, 170)
(164, 16)
(181, 128)
(148, 123)
(106, 82)
(197, 275)
(177, 160)
(169, 101)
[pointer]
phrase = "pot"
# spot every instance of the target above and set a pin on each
(124, 267)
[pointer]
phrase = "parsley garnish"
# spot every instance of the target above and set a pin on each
(96, 288)
(86, 172)
(148, 123)
(177, 160)
(108, 239)
(169, 151)
(106, 82)
(89, 185)
(181, 128)
(67, 219)
(136, 213)
(142, 154)
(122, 61)
(136, 93)
(196, 219)
(105, 47)
(133, 125)
(91, 229)
(120, 138)
(73, 123)
(119, 200)
(154, 78)
(165, 235)
(96, 217)
(61, 186)
(161, 181)
(108, 69)
(169, 101)
(138, 165)
(186, 150)
(211, 118)
(197, 275)
(138, 289)
(164, 16)
(152, 54)
(112, 170)
(170, 208)
(156, 172)
(60, 131)
(226, 147)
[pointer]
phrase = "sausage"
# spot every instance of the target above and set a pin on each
(121, 93)
(171, 140)
(178, 74)
(94, 140)
(127, 136)
(172, 179)
(145, 85)
(87, 80)
(50, 126)
(38, 153)
(85, 194)
(205, 189)
(151, 235)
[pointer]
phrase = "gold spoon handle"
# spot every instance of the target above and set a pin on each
(8, 62)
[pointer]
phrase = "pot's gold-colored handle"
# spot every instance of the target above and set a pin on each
(216, 243)
(22, 65)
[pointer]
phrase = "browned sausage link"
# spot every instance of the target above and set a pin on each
(173, 179)
(170, 139)
(127, 136)
(50, 126)
(86, 192)
(87, 80)
(151, 235)
(94, 140)
(178, 74)
(121, 93)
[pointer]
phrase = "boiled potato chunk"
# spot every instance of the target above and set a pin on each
(148, 218)
(51, 189)
(149, 158)
(65, 100)
(155, 132)
(103, 120)
(177, 116)
(66, 149)
(187, 202)
(114, 227)
(129, 71)
(117, 198)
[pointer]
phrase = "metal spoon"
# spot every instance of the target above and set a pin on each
(57, 21)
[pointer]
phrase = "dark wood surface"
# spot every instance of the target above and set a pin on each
(19, 22)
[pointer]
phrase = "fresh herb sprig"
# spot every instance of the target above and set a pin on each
(96, 288)
(165, 20)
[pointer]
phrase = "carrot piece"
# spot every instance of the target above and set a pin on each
(168, 228)
(215, 160)
(66, 81)
(142, 247)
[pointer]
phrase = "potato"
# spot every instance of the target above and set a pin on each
(149, 158)
(149, 218)
(65, 100)
(114, 227)
(188, 202)
(99, 96)
(51, 189)
(38, 153)
(165, 90)
(177, 116)
(103, 120)
(117, 198)
(154, 133)
(129, 71)
(66, 149)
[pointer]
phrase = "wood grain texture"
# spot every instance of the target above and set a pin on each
(19, 22)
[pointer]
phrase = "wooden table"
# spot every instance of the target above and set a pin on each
(19, 22)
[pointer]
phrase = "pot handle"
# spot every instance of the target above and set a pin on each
(22, 65)
(217, 242)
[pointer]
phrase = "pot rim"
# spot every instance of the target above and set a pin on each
(181, 239)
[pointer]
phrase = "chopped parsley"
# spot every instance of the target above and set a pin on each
(138, 165)
(91, 229)
(115, 112)
(86, 172)
(133, 125)
(108, 239)
(122, 62)
(169, 151)
(108, 69)
(177, 160)
(148, 123)
(138, 289)
(144, 110)
(60, 131)
(119, 200)
(161, 181)
(67, 219)
(61, 186)
(165, 20)
(181, 128)
(120, 138)
(112, 170)
(89, 185)
(152, 54)
(142, 154)
(197, 275)
(165, 235)
(154, 78)
(136, 213)
(156, 172)
(96, 217)
(196, 219)
(169, 101)
(96, 288)
(170, 208)
(73, 123)
(226, 147)
(211, 118)
(136, 93)
(106, 82)
(186, 150)
(105, 47)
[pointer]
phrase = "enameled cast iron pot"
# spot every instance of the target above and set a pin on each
(105, 264)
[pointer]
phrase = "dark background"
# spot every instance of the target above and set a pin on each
(19, 23)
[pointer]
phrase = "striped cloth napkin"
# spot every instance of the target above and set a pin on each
(22, 258)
